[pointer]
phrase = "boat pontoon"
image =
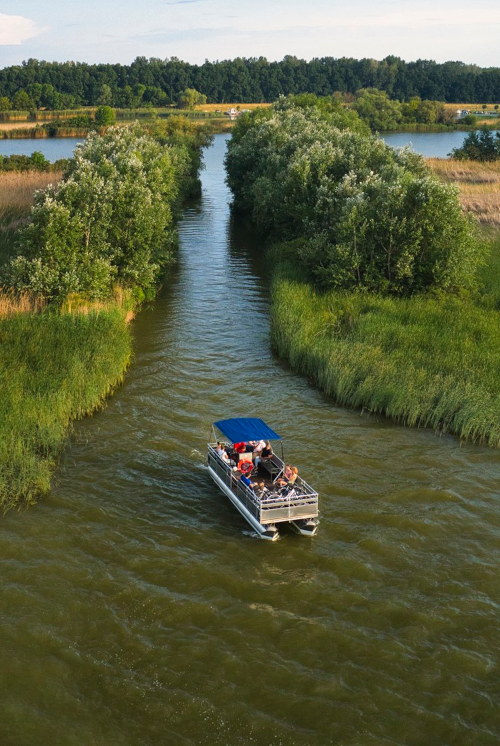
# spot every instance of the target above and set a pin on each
(269, 500)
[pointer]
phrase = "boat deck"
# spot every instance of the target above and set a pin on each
(271, 504)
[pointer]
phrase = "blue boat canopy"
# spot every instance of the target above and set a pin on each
(243, 429)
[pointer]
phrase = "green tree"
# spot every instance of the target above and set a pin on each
(104, 116)
(377, 109)
(110, 220)
(479, 146)
(5, 103)
(105, 95)
(355, 212)
(22, 102)
(189, 98)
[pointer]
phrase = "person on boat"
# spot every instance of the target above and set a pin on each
(262, 491)
(289, 476)
(258, 447)
(222, 453)
(264, 452)
(246, 480)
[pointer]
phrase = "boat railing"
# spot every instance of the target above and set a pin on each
(300, 502)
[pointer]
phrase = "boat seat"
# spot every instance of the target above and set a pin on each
(245, 457)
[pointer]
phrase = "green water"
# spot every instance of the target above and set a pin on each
(138, 608)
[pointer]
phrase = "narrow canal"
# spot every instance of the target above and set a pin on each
(137, 608)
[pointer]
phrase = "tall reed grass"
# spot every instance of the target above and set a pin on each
(13, 303)
(478, 184)
(53, 368)
(425, 361)
(17, 189)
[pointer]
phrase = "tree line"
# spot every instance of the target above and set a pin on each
(157, 82)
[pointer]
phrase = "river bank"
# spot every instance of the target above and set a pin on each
(54, 369)
(429, 361)
(424, 362)
(71, 284)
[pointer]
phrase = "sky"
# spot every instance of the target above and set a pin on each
(195, 30)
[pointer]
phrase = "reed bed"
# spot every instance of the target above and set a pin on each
(13, 303)
(17, 188)
(54, 368)
(429, 362)
(478, 184)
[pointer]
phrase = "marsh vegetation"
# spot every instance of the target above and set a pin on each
(384, 292)
(96, 242)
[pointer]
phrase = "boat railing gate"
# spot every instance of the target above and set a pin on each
(275, 508)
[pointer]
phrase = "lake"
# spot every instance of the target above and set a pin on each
(430, 144)
(53, 148)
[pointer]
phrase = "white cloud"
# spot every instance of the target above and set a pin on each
(17, 29)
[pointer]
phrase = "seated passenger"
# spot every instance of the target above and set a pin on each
(222, 453)
(287, 483)
(286, 476)
(240, 447)
(246, 480)
(262, 491)
(262, 451)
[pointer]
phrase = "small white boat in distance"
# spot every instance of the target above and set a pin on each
(255, 480)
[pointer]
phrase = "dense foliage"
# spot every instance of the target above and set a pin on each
(53, 368)
(479, 146)
(56, 85)
(354, 212)
(109, 221)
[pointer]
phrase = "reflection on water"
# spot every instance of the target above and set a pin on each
(137, 608)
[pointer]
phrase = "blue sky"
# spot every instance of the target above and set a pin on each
(195, 30)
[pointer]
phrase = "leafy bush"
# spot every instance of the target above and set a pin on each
(359, 214)
(34, 162)
(104, 116)
(110, 220)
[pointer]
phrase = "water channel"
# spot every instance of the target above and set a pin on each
(137, 607)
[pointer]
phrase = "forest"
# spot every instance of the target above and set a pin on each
(157, 82)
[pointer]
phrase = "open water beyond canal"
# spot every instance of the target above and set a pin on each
(137, 608)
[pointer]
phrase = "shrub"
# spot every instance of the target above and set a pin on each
(110, 220)
(359, 213)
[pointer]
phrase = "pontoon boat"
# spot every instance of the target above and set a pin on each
(270, 498)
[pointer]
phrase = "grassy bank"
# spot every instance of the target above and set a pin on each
(54, 368)
(430, 362)
(425, 361)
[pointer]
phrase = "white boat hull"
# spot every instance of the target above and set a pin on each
(264, 532)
